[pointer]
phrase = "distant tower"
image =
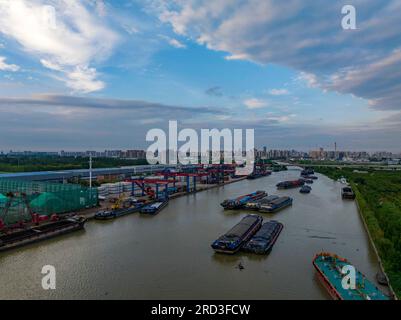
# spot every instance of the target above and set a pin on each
(90, 172)
(335, 146)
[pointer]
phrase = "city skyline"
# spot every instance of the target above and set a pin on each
(263, 152)
(300, 80)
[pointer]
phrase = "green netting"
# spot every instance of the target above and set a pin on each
(43, 198)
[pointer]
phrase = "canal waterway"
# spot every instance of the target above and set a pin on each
(168, 256)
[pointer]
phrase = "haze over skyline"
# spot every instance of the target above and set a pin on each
(107, 71)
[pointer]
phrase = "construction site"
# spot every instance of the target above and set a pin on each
(20, 201)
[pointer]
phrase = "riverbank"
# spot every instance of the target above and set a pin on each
(378, 197)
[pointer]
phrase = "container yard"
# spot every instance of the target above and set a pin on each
(25, 204)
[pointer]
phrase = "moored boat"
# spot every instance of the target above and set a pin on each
(241, 201)
(256, 175)
(329, 270)
(256, 204)
(347, 193)
(154, 208)
(307, 172)
(235, 238)
(276, 205)
(111, 214)
(41, 232)
(305, 189)
(263, 240)
(290, 184)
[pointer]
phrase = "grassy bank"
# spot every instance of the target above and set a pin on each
(379, 198)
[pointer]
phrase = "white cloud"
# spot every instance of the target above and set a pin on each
(173, 42)
(7, 67)
(69, 42)
(278, 92)
(50, 65)
(83, 79)
(280, 118)
(254, 103)
(310, 79)
(177, 44)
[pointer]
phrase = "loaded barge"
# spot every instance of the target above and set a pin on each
(329, 267)
(256, 175)
(112, 214)
(290, 184)
(41, 232)
(256, 204)
(241, 201)
(262, 242)
(276, 205)
(234, 239)
(305, 189)
(154, 208)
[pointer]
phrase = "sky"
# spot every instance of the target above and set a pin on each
(98, 74)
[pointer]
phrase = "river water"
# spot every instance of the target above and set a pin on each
(168, 256)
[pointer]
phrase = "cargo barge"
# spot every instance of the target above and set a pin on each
(256, 204)
(256, 175)
(33, 234)
(241, 201)
(347, 193)
(329, 266)
(305, 189)
(154, 208)
(290, 184)
(234, 239)
(276, 205)
(263, 240)
(112, 214)
(307, 172)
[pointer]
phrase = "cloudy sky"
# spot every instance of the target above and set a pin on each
(92, 74)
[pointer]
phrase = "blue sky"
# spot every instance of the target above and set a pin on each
(93, 74)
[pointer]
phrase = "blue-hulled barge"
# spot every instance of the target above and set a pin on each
(263, 240)
(276, 205)
(234, 239)
(154, 208)
(256, 204)
(241, 201)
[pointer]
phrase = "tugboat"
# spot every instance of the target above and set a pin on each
(256, 204)
(290, 184)
(262, 242)
(305, 189)
(329, 266)
(41, 232)
(347, 193)
(154, 208)
(241, 201)
(276, 205)
(235, 238)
